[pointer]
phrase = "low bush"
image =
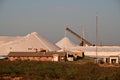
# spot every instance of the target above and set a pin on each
(57, 71)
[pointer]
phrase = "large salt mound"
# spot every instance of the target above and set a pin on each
(26, 43)
(5, 39)
(65, 43)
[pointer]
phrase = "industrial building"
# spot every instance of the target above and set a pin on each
(37, 56)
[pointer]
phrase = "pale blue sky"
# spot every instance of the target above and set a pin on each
(50, 17)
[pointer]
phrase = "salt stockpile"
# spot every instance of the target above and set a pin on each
(101, 50)
(65, 43)
(31, 42)
(5, 39)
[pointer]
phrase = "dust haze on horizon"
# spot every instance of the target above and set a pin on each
(50, 18)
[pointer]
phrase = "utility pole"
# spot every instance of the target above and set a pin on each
(83, 44)
(97, 37)
(65, 33)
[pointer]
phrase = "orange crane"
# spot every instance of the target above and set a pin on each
(82, 40)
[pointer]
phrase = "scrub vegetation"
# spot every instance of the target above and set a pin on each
(32, 70)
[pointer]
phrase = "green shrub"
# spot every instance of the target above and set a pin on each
(33, 70)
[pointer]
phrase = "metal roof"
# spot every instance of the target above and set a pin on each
(35, 54)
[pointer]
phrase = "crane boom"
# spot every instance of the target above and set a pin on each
(79, 37)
